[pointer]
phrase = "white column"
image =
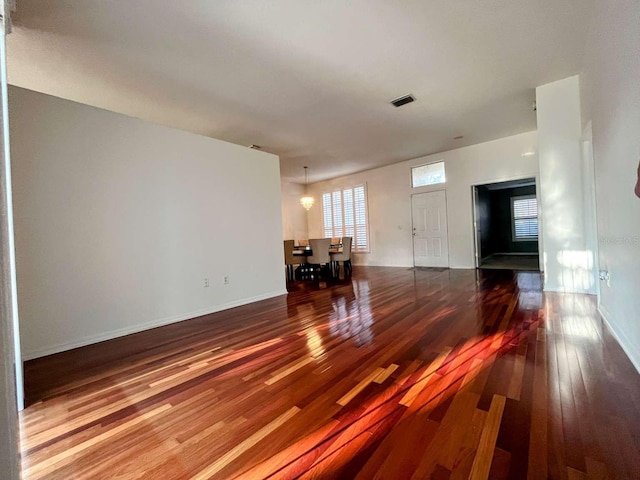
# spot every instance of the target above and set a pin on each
(10, 364)
(568, 264)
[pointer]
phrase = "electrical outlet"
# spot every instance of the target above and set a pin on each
(226, 279)
(206, 282)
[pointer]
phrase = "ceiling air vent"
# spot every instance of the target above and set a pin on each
(398, 102)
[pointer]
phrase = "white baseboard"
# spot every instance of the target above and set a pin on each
(621, 338)
(121, 332)
(392, 265)
(580, 291)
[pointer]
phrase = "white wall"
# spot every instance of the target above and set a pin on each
(10, 364)
(611, 101)
(568, 260)
(389, 197)
(294, 216)
(119, 221)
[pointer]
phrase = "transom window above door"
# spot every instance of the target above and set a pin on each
(429, 174)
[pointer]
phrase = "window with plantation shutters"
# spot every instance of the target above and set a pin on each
(524, 215)
(344, 214)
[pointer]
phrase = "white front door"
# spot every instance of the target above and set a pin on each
(430, 242)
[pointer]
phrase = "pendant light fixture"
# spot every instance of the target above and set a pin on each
(307, 201)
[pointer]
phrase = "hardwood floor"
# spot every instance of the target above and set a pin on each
(398, 374)
(512, 262)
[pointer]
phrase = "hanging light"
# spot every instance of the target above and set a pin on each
(307, 201)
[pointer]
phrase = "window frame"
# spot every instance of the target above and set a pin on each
(528, 238)
(341, 230)
(444, 168)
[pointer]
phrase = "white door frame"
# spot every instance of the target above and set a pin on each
(474, 224)
(591, 209)
(474, 213)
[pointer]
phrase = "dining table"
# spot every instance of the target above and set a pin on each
(305, 251)
(303, 272)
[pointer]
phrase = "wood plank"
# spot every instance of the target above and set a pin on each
(515, 384)
(538, 448)
(386, 373)
(347, 397)
(289, 370)
(52, 463)
(482, 462)
(424, 378)
(245, 445)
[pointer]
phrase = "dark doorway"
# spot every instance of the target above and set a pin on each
(506, 221)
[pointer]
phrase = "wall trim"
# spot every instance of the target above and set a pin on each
(621, 338)
(393, 265)
(565, 290)
(121, 332)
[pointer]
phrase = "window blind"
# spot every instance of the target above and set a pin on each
(345, 214)
(525, 218)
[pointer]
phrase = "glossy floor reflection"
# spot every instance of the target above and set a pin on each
(394, 374)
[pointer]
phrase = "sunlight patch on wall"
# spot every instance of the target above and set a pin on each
(576, 270)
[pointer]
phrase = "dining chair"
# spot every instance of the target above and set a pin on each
(290, 259)
(344, 257)
(320, 260)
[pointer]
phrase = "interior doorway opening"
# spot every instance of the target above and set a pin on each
(506, 225)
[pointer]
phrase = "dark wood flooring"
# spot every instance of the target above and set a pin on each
(512, 262)
(396, 374)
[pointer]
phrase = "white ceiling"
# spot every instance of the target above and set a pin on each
(308, 80)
